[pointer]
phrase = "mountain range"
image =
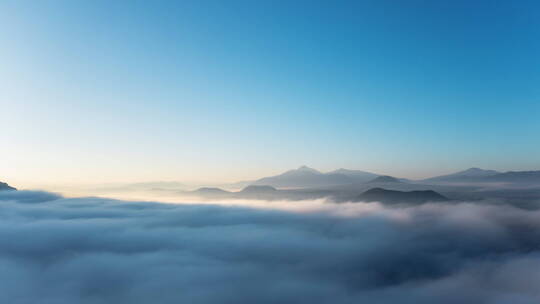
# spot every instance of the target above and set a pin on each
(469, 174)
(305, 177)
(362, 194)
(521, 188)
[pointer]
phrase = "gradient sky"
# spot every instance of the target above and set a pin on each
(109, 91)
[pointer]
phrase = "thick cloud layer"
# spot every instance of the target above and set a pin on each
(92, 250)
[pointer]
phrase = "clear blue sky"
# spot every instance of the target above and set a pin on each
(231, 90)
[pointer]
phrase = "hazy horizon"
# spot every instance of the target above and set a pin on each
(61, 186)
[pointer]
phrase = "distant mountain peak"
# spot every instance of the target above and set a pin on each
(305, 168)
(474, 169)
(477, 172)
(305, 177)
(385, 179)
(465, 175)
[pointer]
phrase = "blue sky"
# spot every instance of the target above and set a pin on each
(102, 91)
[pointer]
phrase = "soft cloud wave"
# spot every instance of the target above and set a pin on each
(94, 250)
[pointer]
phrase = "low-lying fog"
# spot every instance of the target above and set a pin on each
(97, 250)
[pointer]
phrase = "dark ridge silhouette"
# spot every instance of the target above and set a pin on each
(258, 189)
(385, 179)
(396, 197)
(5, 186)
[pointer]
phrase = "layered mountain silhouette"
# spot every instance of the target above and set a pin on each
(5, 186)
(356, 192)
(396, 197)
(519, 188)
(263, 192)
(385, 179)
(305, 177)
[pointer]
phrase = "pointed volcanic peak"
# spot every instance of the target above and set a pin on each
(385, 179)
(471, 174)
(5, 186)
(401, 197)
(304, 177)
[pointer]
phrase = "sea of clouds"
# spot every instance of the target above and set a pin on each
(94, 250)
